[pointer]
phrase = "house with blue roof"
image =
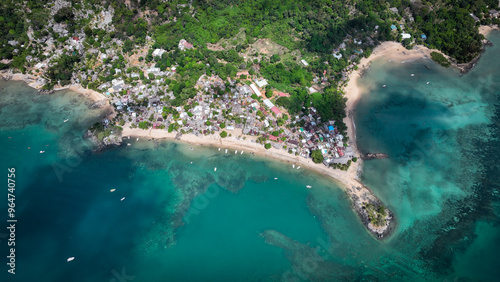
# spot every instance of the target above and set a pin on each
(330, 128)
(393, 27)
(423, 36)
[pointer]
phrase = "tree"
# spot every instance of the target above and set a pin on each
(128, 45)
(223, 134)
(317, 156)
(269, 93)
(64, 14)
(274, 58)
(267, 146)
(144, 125)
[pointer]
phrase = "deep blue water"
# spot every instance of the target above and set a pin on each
(184, 222)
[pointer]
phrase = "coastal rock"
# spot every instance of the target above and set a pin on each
(367, 205)
(110, 141)
(465, 68)
(371, 156)
(98, 104)
(5, 76)
(45, 92)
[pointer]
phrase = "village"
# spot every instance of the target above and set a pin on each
(136, 82)
(220, 107)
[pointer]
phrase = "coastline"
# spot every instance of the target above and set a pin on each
(486, 29)
(345, 178)
(99, 100)
(349, 180)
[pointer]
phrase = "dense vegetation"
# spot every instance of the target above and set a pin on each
(309, 29)
(376, 215)
(62, 70)
(440, 59)
(317, 156)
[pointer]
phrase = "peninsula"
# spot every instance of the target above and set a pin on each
(280, 84)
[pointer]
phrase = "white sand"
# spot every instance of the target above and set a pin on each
(485, 29)
(347, 179)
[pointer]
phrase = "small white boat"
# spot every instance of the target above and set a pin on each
(293, 165)
(412, 74)
(384, 86)
(41, 152)
(191, 162)
(122, 199)
(241, 153)
(427, 82)
(226, 151)
(298, 167)
(66, 120)
(70, 259)
(276, 178)
(137, 139)
(309, 186)
(128, 144)
(112, 190)
(235, 152)
(219, 149)
(215, 168)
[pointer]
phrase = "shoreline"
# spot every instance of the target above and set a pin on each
(486, 29)
(99, 100)
(348, 180)
(345, 178)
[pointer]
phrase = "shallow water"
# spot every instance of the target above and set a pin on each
(441, 178)
(185, 222)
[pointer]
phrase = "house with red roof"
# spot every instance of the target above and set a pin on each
(276, 111)
(272, 137)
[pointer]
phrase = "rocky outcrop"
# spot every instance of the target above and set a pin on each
(465, 68)
(98, 104)
(106, 142)
(367, 205)
(45, 92)
(371, 156)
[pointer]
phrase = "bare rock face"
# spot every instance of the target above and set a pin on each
(371, 156)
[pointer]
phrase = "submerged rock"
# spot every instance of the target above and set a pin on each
(371, 156)
(307, 263)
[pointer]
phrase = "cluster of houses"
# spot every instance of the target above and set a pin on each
(240, 110)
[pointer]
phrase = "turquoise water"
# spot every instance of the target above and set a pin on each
(441, 177)
(181, 221)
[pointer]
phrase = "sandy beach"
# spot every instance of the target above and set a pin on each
(32, 81)
(347, 179)
(389, 50)
(485, 29)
